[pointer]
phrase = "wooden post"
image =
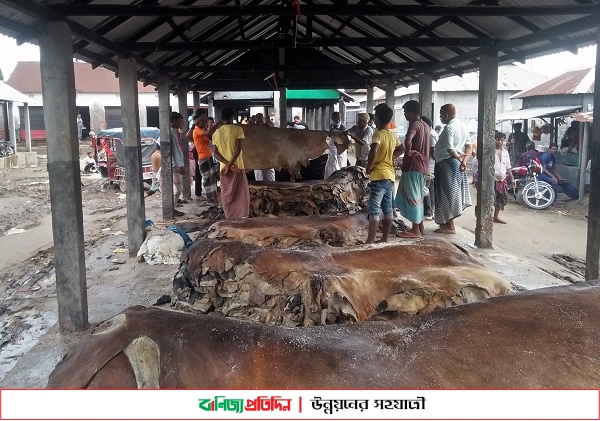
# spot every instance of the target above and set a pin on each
(486, 149)
(164, 121)
(58, 93)
(136, 211)
(592, 256)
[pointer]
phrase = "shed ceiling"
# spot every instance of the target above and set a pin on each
(268, 44)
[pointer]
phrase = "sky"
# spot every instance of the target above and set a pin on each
(550, 66)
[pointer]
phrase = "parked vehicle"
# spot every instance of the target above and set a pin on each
(109, 152)
(534, 193)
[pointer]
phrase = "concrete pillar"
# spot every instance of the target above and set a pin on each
(593, 245)
(486, 148)
(12, 130)
(58, 93)
(426, 95)
(211, 109)
(584, 135)
(369, 99)
(320, 112)
(27, 127)
(342, 107)
(164, 121)
(196, 98)
(282, 108)
(136, 211)
(390, 92)
(143, 113)
(183, 110)
(327, 117)
(97, 117)
(276, 117)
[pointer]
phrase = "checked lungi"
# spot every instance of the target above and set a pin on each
(452, 194)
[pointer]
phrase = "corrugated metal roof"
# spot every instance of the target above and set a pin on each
(8, 93)
(121, 30)
(510, 78)
(580, 81)
(27, 78)
(536, 112)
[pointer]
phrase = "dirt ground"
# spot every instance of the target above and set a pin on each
(535, 249)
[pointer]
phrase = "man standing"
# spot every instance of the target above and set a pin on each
(227, 141)
(452, 194)
(337, 125)
(384, 148)
(263, 175)
(415, 166)
(205, 169)
(551, 175)
(428, 200)
(362, 135)
(518, 140)
(298, 124)
(501, 169)
(178, 162)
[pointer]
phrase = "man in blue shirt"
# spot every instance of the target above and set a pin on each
(551, 176)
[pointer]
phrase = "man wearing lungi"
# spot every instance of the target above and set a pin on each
(227, 140)
(415, 166)
(452, 194)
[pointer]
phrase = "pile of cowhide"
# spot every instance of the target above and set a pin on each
(345, 191)
(285, 231)
(545, 339)
(315, 285)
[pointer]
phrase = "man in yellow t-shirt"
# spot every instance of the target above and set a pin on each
(227, 140)
(384, 148)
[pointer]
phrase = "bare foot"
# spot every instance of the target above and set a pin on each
(441, 230)
(499, 221)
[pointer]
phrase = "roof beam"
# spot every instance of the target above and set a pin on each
(237, 68)
(312, 43)
(322, 9)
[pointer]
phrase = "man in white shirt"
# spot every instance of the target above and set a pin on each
(501, 170)
(452, 194)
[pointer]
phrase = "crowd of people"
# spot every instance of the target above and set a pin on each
(433, 184)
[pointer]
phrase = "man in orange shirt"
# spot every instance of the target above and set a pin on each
(205, 162)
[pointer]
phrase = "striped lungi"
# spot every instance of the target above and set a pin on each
(410, 196)
(209, 177)
(452, 194)
(235, 194)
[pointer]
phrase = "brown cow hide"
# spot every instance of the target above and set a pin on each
(271, 147)
(345, 191)
(546, 338)
(325, 285)
(345, 230)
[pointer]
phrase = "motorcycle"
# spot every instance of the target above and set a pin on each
(6, 149)
(534, 193)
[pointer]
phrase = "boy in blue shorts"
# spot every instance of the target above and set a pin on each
(384, 148)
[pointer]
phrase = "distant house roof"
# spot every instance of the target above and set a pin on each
(27, 78)
(510, 78)
(10, 94)
(580, 81)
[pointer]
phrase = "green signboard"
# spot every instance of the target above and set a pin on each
(312, 94)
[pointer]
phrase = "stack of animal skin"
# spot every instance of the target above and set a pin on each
(345, 191)
(320, 284)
